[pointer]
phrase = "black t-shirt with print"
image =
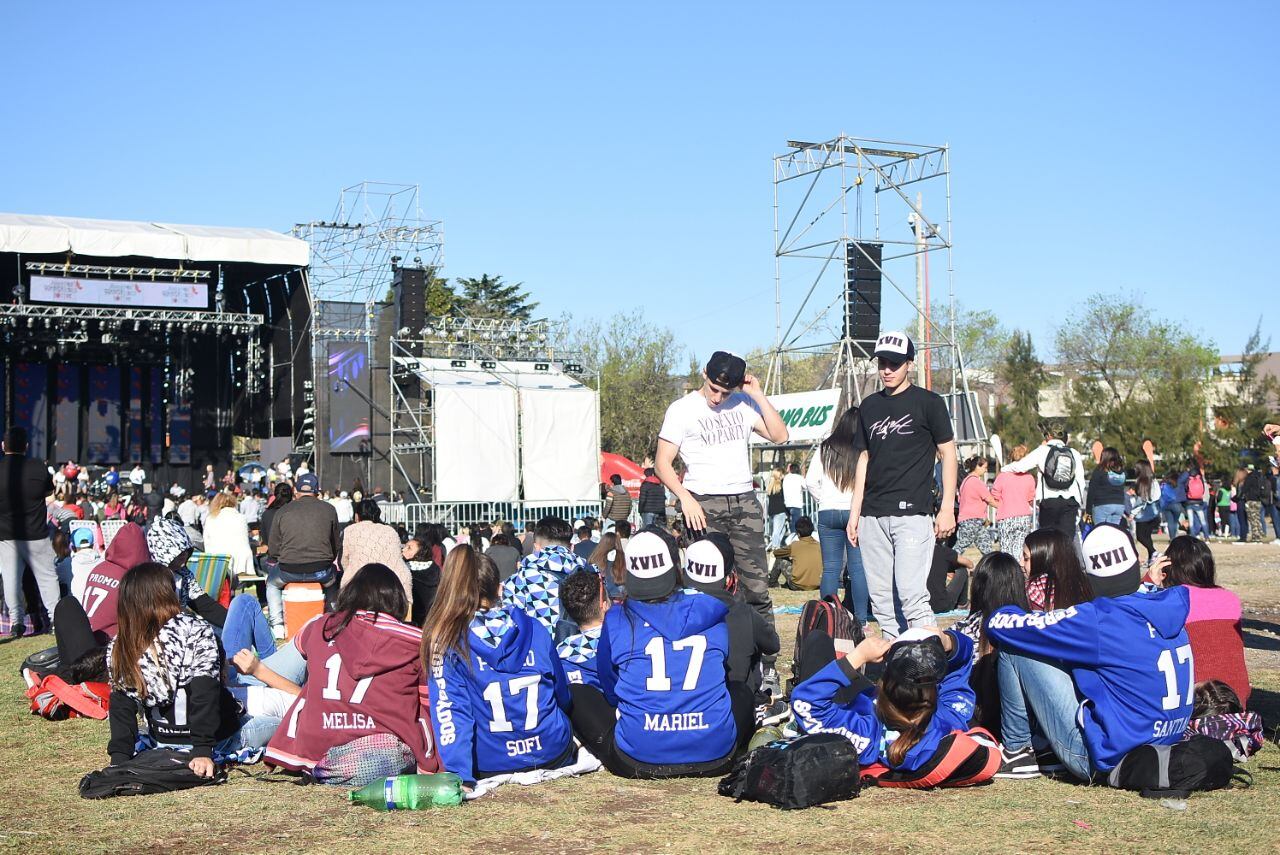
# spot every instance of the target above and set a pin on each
(901, 434)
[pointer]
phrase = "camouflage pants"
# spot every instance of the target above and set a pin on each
(1253, 512)
(739, 516)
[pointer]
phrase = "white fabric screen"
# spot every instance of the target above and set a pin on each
(560, 452)
(475, 444)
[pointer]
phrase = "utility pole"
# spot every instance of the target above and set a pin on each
(918, 228)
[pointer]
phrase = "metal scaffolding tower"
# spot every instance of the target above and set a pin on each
(830, 199)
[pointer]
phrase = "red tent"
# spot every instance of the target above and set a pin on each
(632, 475)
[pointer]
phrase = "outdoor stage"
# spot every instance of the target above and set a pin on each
(131, 342)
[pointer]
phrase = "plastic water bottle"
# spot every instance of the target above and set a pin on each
(410, 792)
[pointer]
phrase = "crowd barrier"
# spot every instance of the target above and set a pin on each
(456, 514)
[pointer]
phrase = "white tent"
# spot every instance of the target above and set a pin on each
(35, 234)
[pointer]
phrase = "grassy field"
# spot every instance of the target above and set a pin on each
(41, 763)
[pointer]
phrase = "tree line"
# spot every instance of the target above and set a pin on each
(1124, 374)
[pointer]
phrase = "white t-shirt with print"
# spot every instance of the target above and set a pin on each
(713, 441)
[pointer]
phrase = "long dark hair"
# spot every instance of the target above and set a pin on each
(1111, 460)
(146, 602)
(600, 558)
(907, 708)
(468, 581)
(1146, 475)
(839, 460)
(373, 588)
(997, 581)
(1053, 555)
(1190, 563)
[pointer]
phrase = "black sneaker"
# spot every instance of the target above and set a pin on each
(773, 714)
(1019, 764)
(1048, 762)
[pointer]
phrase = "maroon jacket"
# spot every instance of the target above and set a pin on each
(366, 681)
(127, 550)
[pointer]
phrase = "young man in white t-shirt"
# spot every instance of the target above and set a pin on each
(793, 494)
(709, 429)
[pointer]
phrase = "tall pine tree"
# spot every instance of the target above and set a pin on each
(1018, 421)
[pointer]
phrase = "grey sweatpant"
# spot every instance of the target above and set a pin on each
(15, 555)
(740, 517)
(897, 553)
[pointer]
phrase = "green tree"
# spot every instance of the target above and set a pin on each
(1018, 421)
(440, 294)
(638, 369)
(490, 297)
(981, 337)
(1133, 376)
(1242, 402)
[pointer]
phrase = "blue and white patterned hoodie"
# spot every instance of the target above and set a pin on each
(535, 587)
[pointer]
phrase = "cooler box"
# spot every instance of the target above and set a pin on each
(302, 602)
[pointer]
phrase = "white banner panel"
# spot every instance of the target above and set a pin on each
(809, 416)
(560, 451)
(475, 450)
(120, 292)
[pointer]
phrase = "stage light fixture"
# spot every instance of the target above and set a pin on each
(458, 363)
(488, 365)
(573, 368)
(541, 366)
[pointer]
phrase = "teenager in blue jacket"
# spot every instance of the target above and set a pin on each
(664, 708)
(923, 696)
(499, 695)
(1102, 677)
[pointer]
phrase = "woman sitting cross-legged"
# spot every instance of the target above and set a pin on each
(499, 695)
(360, 715)
(167, 664)
(664, 708)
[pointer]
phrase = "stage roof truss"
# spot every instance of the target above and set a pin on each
(235, 321)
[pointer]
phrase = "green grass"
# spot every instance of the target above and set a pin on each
(41, 763)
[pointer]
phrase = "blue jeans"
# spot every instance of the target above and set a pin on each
(839, 555)
(1032, 686)
(1198, 517)
(646, 520)
(777, 530)
(245, 627)
(1172, 515)
(793, 516)
(1274, 511)
(287, 662)
(1113, 514)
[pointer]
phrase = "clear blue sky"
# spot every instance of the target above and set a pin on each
(616, 154)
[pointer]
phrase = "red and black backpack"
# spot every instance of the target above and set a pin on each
(963, 759)
(826, 615)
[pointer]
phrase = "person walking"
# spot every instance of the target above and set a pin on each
(975, 498)
(903, 429)
(24, 536)
(1254, 490)
(1105, 501)
(617, 503)
(710, 429)
(775, 508)
(1061, 483)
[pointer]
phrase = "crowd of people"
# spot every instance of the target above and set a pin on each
(650, 650)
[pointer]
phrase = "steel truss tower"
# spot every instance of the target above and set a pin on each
(828, 197)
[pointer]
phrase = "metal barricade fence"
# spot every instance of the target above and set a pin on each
(454, 515)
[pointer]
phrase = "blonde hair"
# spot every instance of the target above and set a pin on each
(221, 501)
(1017, 453)
(775, 481)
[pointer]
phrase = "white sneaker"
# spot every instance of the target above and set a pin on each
(277, 632)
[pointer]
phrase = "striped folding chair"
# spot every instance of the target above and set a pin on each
(98, 537)
(109, 530)
(211, 571)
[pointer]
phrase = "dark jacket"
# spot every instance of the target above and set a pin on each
(617, 505)
(305, 531)
(750, 637)
(653, 496)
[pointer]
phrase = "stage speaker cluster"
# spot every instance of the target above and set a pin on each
(862, 291)
(410, 289)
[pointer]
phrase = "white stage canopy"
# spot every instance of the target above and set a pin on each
(37, 234)
(482, 417)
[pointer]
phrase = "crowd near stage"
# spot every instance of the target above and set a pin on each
(152, 343)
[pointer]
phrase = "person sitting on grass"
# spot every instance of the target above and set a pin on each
(1055, 577)
(664, 708)
(361, 718)
(499, 694)
(922, 697)
(167, 665)
(709, 568)
(584, 598)
(948, 579)
(535, 587)
(1101, 677)
(1213, 624)
(806, 557)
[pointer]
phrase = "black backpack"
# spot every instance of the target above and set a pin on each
(829, 616)
(796, 773)
(1176, 771)
(1059, 468)
(160, 770)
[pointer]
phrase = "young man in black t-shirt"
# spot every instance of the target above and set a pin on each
(902, 430)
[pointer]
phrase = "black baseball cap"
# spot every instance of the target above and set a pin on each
(652, 559)
(916, 658)
(726, 369)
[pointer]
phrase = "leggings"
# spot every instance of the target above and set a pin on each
(1144, 531)
(595, 720)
